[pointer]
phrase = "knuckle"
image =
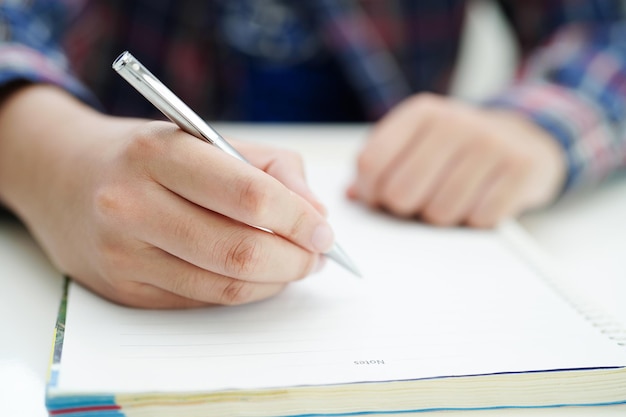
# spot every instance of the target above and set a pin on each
(185, 229)
(427, 101)
(517, 165)
(393, 191)
(143, 142)
(113, 205)
(115, 261)
(113, 258)
(186, 285)
(242, 257)
(481, 221)
(403, 197)
(449, 114)
(198, 240)
(236, 292)
(401, 209)
(152, 141)
(123, 293)
(393, 200)
(299, 223)
(438, 217)
(431, 106)
(112, 279)
(254, 200)
(132, 294)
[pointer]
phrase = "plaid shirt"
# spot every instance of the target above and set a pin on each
(231, 58)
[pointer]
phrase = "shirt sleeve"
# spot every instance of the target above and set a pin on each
(30, 46)
(575, 88)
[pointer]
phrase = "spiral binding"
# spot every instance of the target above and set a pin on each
(607, 325)
(554, 276)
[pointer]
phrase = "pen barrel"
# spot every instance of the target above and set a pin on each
(133, 71)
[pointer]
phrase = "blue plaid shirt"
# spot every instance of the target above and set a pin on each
(329, 60)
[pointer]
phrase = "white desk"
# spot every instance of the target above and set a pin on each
(587, 234)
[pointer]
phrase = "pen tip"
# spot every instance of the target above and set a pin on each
(338, 255)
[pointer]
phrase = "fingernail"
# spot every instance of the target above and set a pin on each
(323, 238)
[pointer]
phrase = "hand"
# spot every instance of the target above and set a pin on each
(149, 216)
(451, 163)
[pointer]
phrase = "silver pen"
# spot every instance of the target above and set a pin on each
(178, 112)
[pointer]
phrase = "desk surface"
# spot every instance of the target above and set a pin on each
(585, 234)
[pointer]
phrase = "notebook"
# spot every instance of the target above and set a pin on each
(442, 319)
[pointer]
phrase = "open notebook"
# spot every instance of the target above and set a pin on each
(442, 319)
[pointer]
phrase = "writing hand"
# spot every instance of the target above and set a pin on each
(149, 216)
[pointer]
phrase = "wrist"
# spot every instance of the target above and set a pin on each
(34, 124)
(545, 149)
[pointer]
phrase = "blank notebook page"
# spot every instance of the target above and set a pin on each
(432, 302)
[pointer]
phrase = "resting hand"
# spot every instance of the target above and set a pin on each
(147, 215)
(451, 163)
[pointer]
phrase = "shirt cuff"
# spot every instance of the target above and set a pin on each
(576, 123)
(21, 63)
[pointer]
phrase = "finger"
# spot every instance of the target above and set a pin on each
(219, 244)
(284, 165)
(215, 180)
(500, 200)
(120, 287)
(178, 277)
(461, 187)
(413, 179)
(143, 295)
(351, 192)
(388, 141)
